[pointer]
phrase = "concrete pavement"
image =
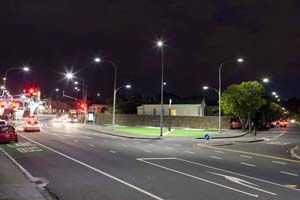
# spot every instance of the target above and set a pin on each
(14, 185)
(82, 164)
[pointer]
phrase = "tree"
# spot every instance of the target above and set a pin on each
(243, 100)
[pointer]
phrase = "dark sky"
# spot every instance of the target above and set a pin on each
(55, 35)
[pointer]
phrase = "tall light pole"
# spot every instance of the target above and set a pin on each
(99, 60)
(70, 76)
(55, 90)
(239, 60)
(25, 69)
(160, 45)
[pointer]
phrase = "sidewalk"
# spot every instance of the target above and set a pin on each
(97, 128)
(13, 183)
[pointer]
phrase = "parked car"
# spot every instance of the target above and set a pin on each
(8, 134)
(235, 124)
(283, 123)
(31, 123)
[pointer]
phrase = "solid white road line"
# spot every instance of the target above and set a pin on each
(219, 151)
(277, 162)
(111, 151)
(215, 157)
(198, 178)
(247, 164)
(244, 156)
(288, 173)
(96, 170)
(191, 152)
(91, 145)
(235, 173)
(75, 140)
(147, 151)
(123, 145)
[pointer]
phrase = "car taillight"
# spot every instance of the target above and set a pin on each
(36, 122)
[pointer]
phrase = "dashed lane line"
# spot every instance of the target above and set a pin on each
(277, 162)
(123, 145)
(215, 157)
(111, 151)
(96, 170)
(288, 173)
(147, 151)
(244, 156)
(91, 145)
(190, 152)
(247, 164)
(75, 141)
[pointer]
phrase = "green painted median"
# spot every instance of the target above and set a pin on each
(155, 131)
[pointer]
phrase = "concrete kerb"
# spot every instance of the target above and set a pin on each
(226, 137)
(294, 153)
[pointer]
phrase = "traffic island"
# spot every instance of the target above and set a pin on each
(14, 183)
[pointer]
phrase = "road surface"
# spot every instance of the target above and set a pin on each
(84, 165)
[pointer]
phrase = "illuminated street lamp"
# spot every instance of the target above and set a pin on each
(238, 60)
(274, 93)
(25, 69)
(99, 60)
(98, 94)
(51, 95)
(160, 45)
(266, 80)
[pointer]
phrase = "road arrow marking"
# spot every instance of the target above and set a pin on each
(243, 183)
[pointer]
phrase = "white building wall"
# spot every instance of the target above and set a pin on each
(180, 109)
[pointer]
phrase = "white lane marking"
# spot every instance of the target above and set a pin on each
(235, 173)
(111, 151)
(243, 183)
(75, 140)
(288, 173)
(91, 145)
(219, 151)
(215, 157)
(96, 170)
(191, 152)
(278, 162)
(123, 145)
(244, 156)
(169, 148)
(247, 164)
(147, 151)
(151, 145)
(197, 178)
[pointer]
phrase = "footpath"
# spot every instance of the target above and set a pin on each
(14, 185)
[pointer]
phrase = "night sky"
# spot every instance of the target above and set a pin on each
(54, 35)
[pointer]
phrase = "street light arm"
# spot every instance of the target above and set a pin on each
(214, 89)
(12, 68)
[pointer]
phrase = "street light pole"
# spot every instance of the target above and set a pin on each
(26, 69)
(160, 44)
(56, 90)
(239, 60)
(98, 60)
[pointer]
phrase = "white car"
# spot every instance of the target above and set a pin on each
(31, 123)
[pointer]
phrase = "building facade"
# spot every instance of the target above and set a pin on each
(175, 109)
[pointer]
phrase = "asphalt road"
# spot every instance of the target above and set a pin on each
(85, 165)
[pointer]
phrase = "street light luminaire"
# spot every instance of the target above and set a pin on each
(160, 43)
(26, 69)
(57, 89)
(240, 60)
(265, 80)
(97, 60)
(205, 87)
(274, 93)
(69, 75)
(128, 86)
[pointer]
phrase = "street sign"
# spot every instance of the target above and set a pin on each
(207, 137)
